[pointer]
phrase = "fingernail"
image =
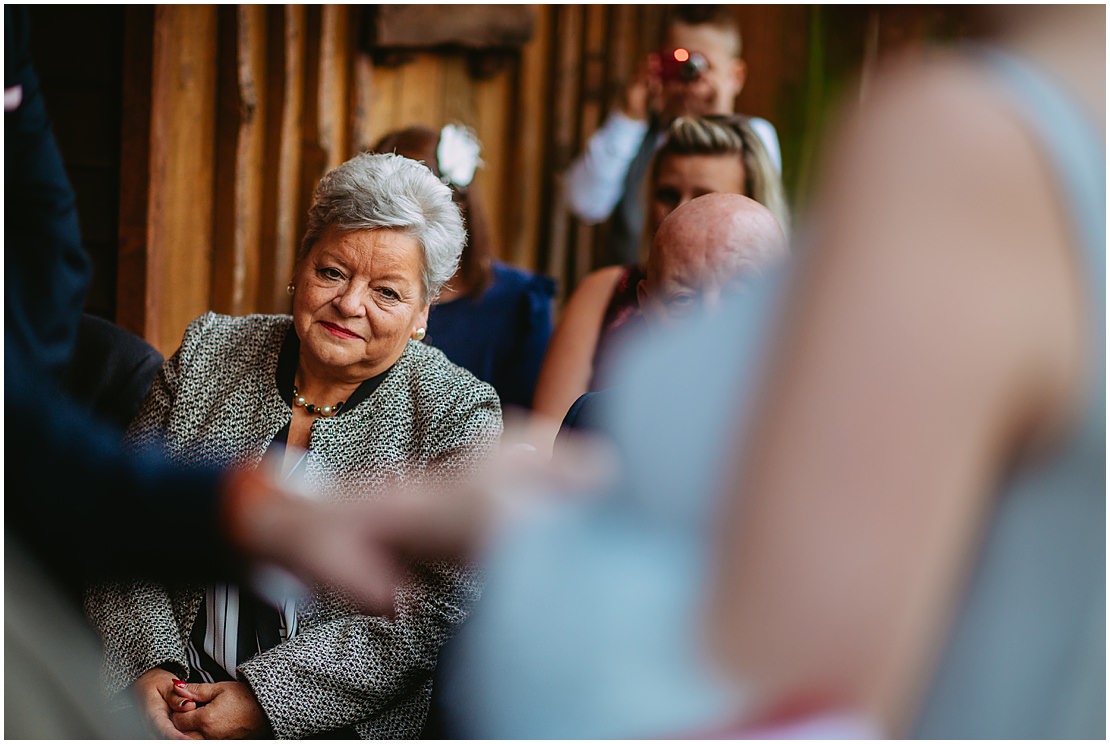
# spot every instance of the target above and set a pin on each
(178, 683)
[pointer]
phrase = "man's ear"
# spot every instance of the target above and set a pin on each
(740, 74)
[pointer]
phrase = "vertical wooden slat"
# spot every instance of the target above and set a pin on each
(527, 177)
(424, 75)
(332, 98)
(457, 90)
(385, 95)
(624, 56)
(281, 189)
(133, 295)
(239, 150)
(492, 96)
(363, 108)
(566, 59)
(592, 96)
(314, 158)
(182, 149)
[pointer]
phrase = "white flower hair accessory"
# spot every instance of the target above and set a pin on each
(457, 154)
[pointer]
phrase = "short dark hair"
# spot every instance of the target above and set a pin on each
(722, 17)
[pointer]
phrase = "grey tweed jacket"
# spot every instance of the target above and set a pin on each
(215, 401)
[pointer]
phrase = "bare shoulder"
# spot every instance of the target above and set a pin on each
(583, 313)
(596, 288)
(568, 363)
(945, 195)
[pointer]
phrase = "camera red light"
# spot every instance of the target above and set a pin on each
(681, 55)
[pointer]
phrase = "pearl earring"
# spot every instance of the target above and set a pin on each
(418, 335)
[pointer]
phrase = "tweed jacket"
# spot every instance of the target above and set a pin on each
(215, 401)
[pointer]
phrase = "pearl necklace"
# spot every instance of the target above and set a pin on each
(326, 411)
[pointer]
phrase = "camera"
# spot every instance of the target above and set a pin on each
(682, 64)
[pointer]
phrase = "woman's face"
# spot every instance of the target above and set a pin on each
(681, 178)
(358, 299)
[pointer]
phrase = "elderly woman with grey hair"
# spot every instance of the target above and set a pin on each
(359, 404)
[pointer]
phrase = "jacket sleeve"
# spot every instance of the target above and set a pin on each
(595, 180)
(352, 669)
(140, 626)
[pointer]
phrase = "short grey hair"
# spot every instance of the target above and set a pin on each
(370, 192)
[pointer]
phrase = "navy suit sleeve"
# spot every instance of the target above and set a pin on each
(74, 498)
(46, 269)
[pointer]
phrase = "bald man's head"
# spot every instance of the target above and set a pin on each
(702, 247)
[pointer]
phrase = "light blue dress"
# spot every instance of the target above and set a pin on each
(589, 626)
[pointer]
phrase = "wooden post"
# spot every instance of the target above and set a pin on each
(239, 158)
(528, 179)
(281, 191)
(592, 97)
(567, 58)
(182, 145)
(332, 93)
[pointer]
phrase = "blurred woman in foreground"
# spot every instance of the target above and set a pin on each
(932, 437)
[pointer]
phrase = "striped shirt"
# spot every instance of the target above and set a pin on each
(235, 623)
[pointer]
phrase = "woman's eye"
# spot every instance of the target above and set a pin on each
(389, 294)
(330, 273)
(667, 196)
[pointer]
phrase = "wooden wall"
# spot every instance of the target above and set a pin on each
(228, 115)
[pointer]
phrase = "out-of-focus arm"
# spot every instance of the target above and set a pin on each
(929, 341)
(595, 180)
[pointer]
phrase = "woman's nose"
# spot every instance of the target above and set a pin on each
(349, 301)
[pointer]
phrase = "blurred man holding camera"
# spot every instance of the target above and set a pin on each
(697, 72)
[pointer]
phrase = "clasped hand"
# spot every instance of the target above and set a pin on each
(222, 710)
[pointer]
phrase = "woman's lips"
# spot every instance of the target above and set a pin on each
(339, 331)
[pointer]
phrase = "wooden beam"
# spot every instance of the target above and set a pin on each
(592, 97)
(182, 153)
(335, 80)
(527, 178)
(239, 158)
(281, 191)
(566, 61)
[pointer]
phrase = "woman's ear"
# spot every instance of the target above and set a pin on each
(421, 320)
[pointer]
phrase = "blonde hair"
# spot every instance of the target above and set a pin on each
(729, 135)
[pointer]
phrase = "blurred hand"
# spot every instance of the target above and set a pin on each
(364, 547)
(429, 525)
(224, 710)
(643, 94)
(154, 693)
(325, 543)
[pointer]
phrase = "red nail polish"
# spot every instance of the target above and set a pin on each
(178, 683)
